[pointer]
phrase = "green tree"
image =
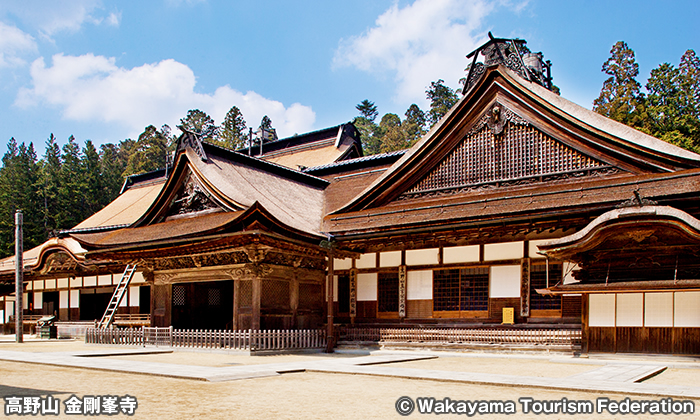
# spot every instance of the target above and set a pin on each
(92, 172)
(198, 121)
(19, 178)
(266, 123)
(72, 186)
(393, 135)
(367, 110)
(369, 135)
(148, 154)
(414, 124)
(671, 104)
(620, 98)
(233, 133)
(49, 175)
(442, 98)
(112, 166)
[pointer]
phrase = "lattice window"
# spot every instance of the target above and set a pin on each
(343, 294)
(538, 280)
(388, 292)
(310, 296)
(520, 152)
(465, 289)
(214, 297)
(179, 295)
(245, 291)
(474, 289)
(446, 290)
(275, 294)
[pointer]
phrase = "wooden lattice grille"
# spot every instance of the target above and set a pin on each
(465, 289)
(275, 294)
(179, 295)
(388, 292)
(520, 152)
(310, 296)
(245, 294)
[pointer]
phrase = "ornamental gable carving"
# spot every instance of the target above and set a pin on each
(191, 198)
(503, 149)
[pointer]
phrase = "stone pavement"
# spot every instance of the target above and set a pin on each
(618, 376)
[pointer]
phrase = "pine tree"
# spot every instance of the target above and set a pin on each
(367, 109)
(620, 98)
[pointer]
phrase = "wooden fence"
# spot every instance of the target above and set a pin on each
(548, 337)
(253, 340)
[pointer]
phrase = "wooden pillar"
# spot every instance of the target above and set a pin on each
(353, 295)
(19, 278)
(329, 326)
(294, 298)
(257, 295)
(161, 302)
(525, 287)
(236, 303)
(584, 323)
(402, 291)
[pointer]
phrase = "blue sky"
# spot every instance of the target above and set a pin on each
(105, 69)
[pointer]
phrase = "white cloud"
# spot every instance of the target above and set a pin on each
(13, 45)
(418, 43)
(49, 17)
(94, 88)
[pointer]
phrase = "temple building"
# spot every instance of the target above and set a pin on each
(518, 199)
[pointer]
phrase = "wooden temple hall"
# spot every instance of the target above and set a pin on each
(518, 199)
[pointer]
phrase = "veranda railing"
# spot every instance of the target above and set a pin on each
(253, 340)
(545, 337)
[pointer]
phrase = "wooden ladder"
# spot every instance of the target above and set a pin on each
(117, 297)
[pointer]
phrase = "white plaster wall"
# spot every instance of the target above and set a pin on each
(63, 299)
(38, 300)
(601, 310)
(686, 311)
(367, 261)
(422, 256)
(62, 283)
(419, 285)
(50, 284)
(75, 298)
(366, 286)
(503, 251)
(342, 263)
(90, 281)
(134, 296)
(630, 310)
(459, 254)
(390, 259)
(504, 281)
(658, 309)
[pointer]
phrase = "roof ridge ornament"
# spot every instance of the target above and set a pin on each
(512, 53)
(193, 140)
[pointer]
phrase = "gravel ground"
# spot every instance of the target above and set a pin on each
(292, 396)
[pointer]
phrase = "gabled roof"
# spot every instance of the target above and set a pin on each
(229, 182)
(575, 132)
(316, 148)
